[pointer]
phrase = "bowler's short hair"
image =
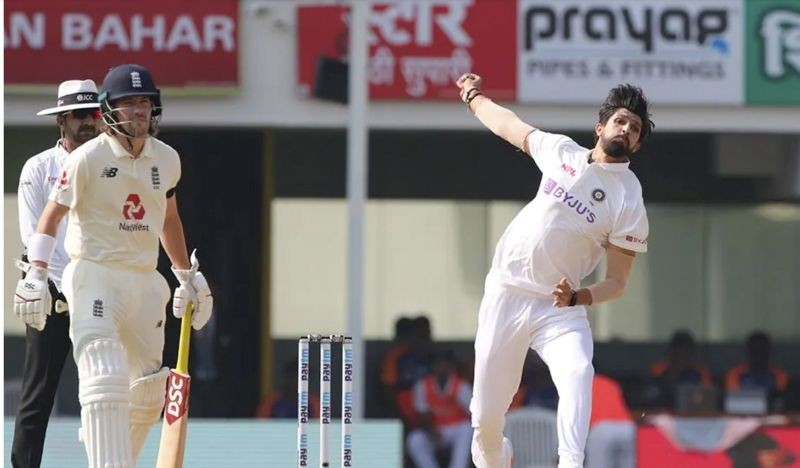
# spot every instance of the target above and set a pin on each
(627, 96)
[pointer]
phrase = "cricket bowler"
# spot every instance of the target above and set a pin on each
(588, 205)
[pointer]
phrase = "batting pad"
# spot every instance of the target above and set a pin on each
(103, 394)
(146, 402)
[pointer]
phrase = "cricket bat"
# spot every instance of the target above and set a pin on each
(176, 409)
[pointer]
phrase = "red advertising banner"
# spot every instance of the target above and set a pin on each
(418, 48)
(767, 447)
(184, 44)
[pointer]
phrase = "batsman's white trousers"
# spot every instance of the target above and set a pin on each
(122, 304)
(510, 321)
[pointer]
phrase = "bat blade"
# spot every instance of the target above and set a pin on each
(176, 415)
(176, 408)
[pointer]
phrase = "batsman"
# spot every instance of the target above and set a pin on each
(119, 190)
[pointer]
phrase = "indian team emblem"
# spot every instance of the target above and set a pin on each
(598, 195)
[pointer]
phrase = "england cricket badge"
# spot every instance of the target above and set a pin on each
(155, 178)
(598, 195)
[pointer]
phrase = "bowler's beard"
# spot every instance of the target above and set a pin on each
(616, 148)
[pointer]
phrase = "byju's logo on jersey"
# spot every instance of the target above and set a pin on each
(133, 208)
(552, 188)
(549, 186)
(109, 172)
(636, 240)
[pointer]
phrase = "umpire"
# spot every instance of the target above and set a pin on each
(77, 115)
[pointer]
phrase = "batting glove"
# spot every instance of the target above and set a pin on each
(193, 288)
(32, 298)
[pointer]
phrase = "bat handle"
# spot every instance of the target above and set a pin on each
(183, 343)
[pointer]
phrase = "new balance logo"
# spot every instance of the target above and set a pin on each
(136, 80)
(97, 308)
(109, 172)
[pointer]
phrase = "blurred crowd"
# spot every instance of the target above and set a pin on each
(428, 387)
(684, 382)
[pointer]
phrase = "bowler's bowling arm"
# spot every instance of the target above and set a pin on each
(619, 262)
(501, 121)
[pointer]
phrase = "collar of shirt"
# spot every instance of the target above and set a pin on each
(121, 152)
(61, 153)
(611, 167)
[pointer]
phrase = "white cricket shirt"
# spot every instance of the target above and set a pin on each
(39, 175)
(117, 203)
(579, 209)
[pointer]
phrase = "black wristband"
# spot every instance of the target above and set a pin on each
(573, 301)
(471, 98)
(470, 95)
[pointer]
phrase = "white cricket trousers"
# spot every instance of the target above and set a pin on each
(510, 321)
(122, 304)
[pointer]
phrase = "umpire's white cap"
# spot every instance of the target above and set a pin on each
(74, 94)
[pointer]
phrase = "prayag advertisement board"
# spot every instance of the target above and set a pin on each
(680, 52)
